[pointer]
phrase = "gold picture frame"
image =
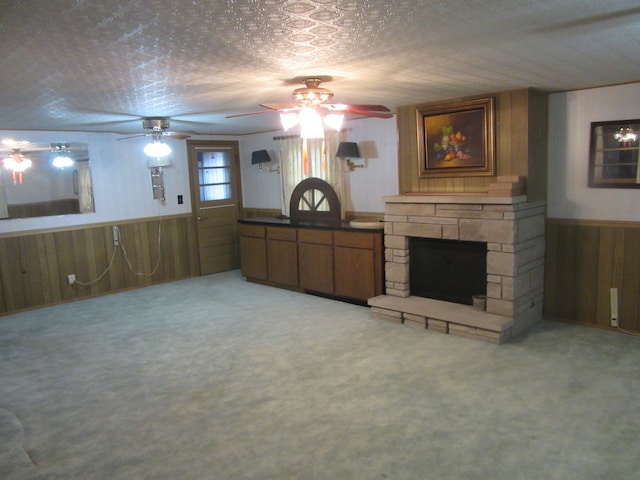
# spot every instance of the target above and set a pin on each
(457, 139)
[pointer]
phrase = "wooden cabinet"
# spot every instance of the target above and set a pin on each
(315, 260)
(282, 256)
(253, 251)
(337, 262)
(358, 264)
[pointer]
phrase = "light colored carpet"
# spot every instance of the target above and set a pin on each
(217, 378)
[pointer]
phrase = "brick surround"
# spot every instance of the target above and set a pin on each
(513, 230)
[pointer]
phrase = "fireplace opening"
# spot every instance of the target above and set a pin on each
(448, 270)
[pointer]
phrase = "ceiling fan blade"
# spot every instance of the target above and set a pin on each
(357, 111)
(176, 135)
(373, 108)
(343, 107)
(250, 113)
(371, 114)
(281, 106)
(133, 136)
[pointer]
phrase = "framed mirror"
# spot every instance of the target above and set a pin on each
(44, 179)
(613, 159)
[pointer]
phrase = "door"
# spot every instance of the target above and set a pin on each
(214, 176)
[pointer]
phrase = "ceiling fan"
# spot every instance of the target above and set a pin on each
(157, 128)
(315, 97)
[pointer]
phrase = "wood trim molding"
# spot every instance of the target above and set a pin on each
(592, 223)
(85, 226)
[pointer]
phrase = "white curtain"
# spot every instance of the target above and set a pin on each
(321, 163)
(85, 189)
(4, 207)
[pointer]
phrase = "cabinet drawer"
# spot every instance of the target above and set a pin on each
(251, 230)
(356, 240)
(322, 237)
(281, 233)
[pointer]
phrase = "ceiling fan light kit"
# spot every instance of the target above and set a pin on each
(157, 126)
(62, 158)
(312, 94)
(157, 148)
(311, 110)
(310, 123)
(17, 163)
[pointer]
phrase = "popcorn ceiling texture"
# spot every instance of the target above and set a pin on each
(99, 66)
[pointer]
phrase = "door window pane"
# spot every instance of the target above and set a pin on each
(214, 175)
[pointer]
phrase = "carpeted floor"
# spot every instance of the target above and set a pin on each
(217, 378)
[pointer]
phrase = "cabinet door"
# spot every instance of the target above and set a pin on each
(354, 272)
(282, 262)
(253, 257)
(316, 267)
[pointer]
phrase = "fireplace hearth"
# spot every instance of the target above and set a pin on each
(512, 231)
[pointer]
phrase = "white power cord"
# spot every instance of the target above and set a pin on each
(124, 251)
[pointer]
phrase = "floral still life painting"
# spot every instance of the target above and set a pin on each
(456, 140)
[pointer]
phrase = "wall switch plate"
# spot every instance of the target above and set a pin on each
(180, 200)
(613, 295)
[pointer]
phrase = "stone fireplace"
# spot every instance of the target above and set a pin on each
(513, 230)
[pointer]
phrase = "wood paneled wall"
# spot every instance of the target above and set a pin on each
(583, 261)
(520, 139)
(34, 266)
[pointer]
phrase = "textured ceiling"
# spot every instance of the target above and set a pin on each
(96, 65)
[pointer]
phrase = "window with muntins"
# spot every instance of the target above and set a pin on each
(214, 175)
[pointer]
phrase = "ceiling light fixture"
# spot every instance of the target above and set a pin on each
(625, 135)
(62, 158)
(17, 163)
(310, 118)
(311, 122)
(156, 148)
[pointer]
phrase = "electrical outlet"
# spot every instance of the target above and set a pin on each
(613, 295)
(116, 236)
(71, 278)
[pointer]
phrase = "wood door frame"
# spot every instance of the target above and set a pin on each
(192, 146)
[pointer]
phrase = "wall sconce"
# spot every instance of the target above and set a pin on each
(157, 176)
(347, 151)
(262, 156)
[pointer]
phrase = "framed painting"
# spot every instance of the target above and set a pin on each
(613, 154)
(457, 139)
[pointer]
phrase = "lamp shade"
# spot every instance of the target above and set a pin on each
(348, 150)
(260, 156)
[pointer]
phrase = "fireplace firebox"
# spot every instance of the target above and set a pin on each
(449, 270)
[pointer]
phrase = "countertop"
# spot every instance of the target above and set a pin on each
(346, 225)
